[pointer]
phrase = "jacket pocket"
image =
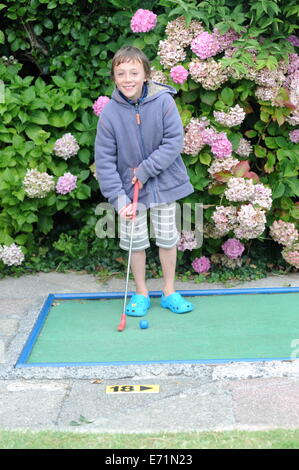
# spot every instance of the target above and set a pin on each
(173, 176)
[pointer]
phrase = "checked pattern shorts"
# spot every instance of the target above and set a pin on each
(163, 219)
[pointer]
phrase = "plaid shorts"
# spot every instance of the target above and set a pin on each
(164, 224)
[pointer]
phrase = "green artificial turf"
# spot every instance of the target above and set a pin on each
(221, 327)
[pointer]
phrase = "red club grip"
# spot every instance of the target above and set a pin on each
(135, 199)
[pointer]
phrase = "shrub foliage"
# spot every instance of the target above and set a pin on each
(56, 57)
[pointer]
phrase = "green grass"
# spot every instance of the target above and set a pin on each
(274, 439)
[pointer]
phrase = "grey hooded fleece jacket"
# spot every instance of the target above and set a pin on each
(147, 136)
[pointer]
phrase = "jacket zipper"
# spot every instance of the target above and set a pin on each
(138, 121)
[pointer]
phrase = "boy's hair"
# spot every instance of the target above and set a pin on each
(129, 54)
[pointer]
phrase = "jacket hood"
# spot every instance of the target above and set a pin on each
(154, 89)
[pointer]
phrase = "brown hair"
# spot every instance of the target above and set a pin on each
(129, 54)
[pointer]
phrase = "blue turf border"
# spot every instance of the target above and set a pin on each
(26, 351)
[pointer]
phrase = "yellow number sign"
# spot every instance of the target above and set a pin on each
(133, 389)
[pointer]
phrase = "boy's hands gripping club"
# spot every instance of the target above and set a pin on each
(127, 211)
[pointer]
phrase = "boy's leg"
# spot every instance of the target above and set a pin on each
(164, 223)
(138, 261)
(140, 243)
(168, 258)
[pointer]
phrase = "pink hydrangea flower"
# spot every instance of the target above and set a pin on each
(221, 146)
(170, 53)
(201, 265)
(66, 183)
(209, 135)
(143, 21)
(291, 255)
(233, 248)
(66, 147)
(99, 104)
(294, 40)
(193, 139)
(179, 74)
(205, 45)
(11, 255)
(209, 73)
(187, 241)
(225, 40)
(38, 184)
(283, 232)
(294, 136)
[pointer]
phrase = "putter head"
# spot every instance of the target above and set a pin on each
(122, 323)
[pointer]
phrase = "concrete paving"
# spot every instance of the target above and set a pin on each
(192, 397)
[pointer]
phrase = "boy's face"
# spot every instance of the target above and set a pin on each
(129, 78)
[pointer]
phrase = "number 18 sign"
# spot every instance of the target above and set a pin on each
(133, 389)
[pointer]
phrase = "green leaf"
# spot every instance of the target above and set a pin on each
(281, 142)
(103, 37)
(227, 96)
(139, 42)
(151, 38)
(82, 419)
(282, 154)
(48, 23)
(39, 117)
(45, 223)
(21, 239)
(271, 142)
(74, 423)
(259, 151)
(28, 95)
(264, 116)
(190, 96)
(32, 131)
(83, 175)
(278, 190)
(293, 185)
(83, 192)
(295, 212)
(95, 50)
(61, 203)
(186, 116)
(17, 142)
(208, 97)
(61, 119)
(250, 134)
(84, 155)
(289, 169)
(205, 158)
(217, 189)
(59, 81)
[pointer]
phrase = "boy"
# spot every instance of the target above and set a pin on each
(139, 138)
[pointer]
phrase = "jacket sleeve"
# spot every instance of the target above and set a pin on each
(171, 144)
(106, 166)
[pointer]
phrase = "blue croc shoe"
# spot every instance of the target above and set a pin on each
(176, 303)
(138, 305)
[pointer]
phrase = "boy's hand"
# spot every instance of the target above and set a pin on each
(136, 179)
(127, 211)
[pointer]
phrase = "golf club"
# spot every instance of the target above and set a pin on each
(123, 321)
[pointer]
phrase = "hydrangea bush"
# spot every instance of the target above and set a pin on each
(240, 147)
(237, 83)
